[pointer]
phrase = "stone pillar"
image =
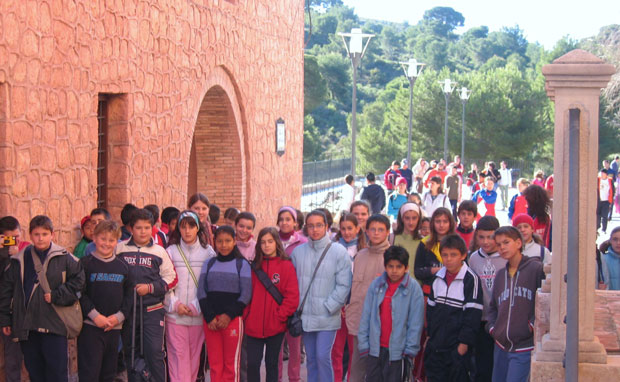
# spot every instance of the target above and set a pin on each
(573, 81)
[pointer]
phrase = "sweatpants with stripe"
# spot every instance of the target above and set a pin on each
(224, 350)
(319, 355)
(46, 357)
(153, 343)
(97, 354)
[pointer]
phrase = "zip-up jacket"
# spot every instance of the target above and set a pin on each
(66, 279)
(486, 266)
(331, 287)
(453, 312)
(518, 205)
(511, 313)
(407, 319)
(295, 241)
(489, 197)
(429, 205)
(611, 269)
(263, 316)
(368, 265)
(186, 290)
(149, 265)
(425, 260)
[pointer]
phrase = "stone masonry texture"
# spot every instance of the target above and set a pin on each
(218, 73)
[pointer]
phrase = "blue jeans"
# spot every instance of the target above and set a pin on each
(319, 355)
(511, 367)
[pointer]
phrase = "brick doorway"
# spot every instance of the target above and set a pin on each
(216, 163)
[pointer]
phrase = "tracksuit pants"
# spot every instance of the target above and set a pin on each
(184, 345)
(12, 359)
(224, 350)
(511, 367)
(294, 358)
(318, 355)
(46, 357)
(381, 369)
(357, 364)
(97, 354)
(255, 347)
(483, 351)
(153, 343)
(602, 214)
(342, 336)
(447, 365)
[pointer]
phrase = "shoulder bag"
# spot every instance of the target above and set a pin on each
(70, 315)
(294, 322)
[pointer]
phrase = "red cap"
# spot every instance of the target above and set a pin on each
(84, 220)
(400, 180)
(523, 218)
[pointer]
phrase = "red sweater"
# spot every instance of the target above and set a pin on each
(385, 314)
(263, 316)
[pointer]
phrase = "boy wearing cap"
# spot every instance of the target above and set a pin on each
(87, 227)
(531, 242)
(398, 197)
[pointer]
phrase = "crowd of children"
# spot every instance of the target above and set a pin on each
(429, 297)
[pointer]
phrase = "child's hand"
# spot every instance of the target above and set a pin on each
(223, 321)
(142, 289)
(112, 322)
(462, 349)
(48, 298)
(213, 324)
(101, 321)
(6, 331)
(183, 310)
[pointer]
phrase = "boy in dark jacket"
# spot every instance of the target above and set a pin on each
(31, 317)
(511, 313)
(106, 301)
(453, 315)
(153, 274)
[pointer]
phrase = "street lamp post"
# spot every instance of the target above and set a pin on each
(464, 94)
(447, 88)
(412, 69)
(355, 49)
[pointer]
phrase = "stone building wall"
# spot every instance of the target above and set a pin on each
(169, 72)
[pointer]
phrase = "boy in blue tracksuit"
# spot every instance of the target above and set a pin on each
(392, 319)
(453, 315)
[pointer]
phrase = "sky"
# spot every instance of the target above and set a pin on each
(543, 21)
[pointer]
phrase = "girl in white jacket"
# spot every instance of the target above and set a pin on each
(188, 251)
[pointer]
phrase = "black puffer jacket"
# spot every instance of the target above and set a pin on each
(65, 277)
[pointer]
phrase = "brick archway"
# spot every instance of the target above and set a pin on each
(217, 158)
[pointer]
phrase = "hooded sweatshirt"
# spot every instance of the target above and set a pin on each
(486, 267)
(511, 312)
(368, 266)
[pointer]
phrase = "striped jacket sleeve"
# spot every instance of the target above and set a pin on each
(472, 309)
(167, 273)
